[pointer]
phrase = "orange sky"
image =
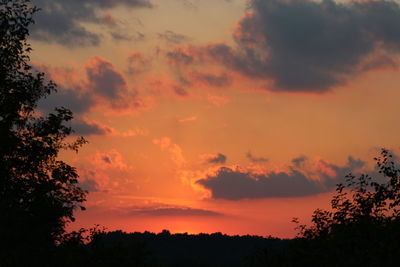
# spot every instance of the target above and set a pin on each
(225, 116)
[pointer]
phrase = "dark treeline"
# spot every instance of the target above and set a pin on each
(164, 249)
(39, 194)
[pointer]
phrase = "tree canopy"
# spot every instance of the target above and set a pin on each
(38, 191)
(362, 228)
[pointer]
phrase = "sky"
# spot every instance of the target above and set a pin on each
(227, 116)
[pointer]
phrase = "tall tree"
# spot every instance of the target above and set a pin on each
(38, 192)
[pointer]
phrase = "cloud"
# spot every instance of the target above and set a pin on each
(82, 127)
(97, 84)
(178, 56)
(62, 21)
(104, 79)
(78, 102)
(214, 158)
(173, 38)
(174, 211)
(110, 160)
(303, 45)
(89, 185)
(110, 85)
(193, 118)
(137, 63)
(71, 91)
(108, 172)
(123, 36)
(178, 90)
(235, 184)
(299, 160)
(255, 159)
(175, 150)
(312, 46)
(211, 79)
(218, 100)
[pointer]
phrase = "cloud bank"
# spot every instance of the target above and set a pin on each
(235, 184)
(312, 46)
(61, 21)
(303, 45)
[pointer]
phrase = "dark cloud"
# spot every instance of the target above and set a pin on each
(217, 158)
(218, 80)
(304, 45)
(239, 184)
(138, 63)
(255, 159)
(103, 84)
(109, 84)
(175, 211)
(180, 91)
(173, 38)
(312, 46)
(82, 127)
(106, 159)
(61, 21)
(122, 36)
(77, 102)
(299, 160)
(179, 57)
(89, 185)
(104, 79)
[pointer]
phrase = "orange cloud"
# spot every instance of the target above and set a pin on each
(193, 118)
(110, 160)
(175, 150)
(218, 100)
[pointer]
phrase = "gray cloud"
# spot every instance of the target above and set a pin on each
(174, 211)
(71, 99)
(299, 160)
(179, 57)
(89, 185)
(238, 184)
(78, 103)
(304, 45)
(60, 21)
(122, 36)
(218, 80)
(104, 84)
(105, 80)
(173, 38)
(255, 159)
(106, 159)
(217, 158)
(180, 91)
(82, 127)
(137, 63)
(312, 46)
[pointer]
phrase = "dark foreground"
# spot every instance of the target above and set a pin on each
(164, 249)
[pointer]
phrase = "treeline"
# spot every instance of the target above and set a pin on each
(164, 249)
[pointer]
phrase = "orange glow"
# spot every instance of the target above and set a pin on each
(163, 107)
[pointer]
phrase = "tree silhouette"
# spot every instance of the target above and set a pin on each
(38, 192)
(363, 226)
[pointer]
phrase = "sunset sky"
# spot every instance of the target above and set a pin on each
(228, 116)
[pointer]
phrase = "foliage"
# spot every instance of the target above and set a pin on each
(363, 225)
(38, 192)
